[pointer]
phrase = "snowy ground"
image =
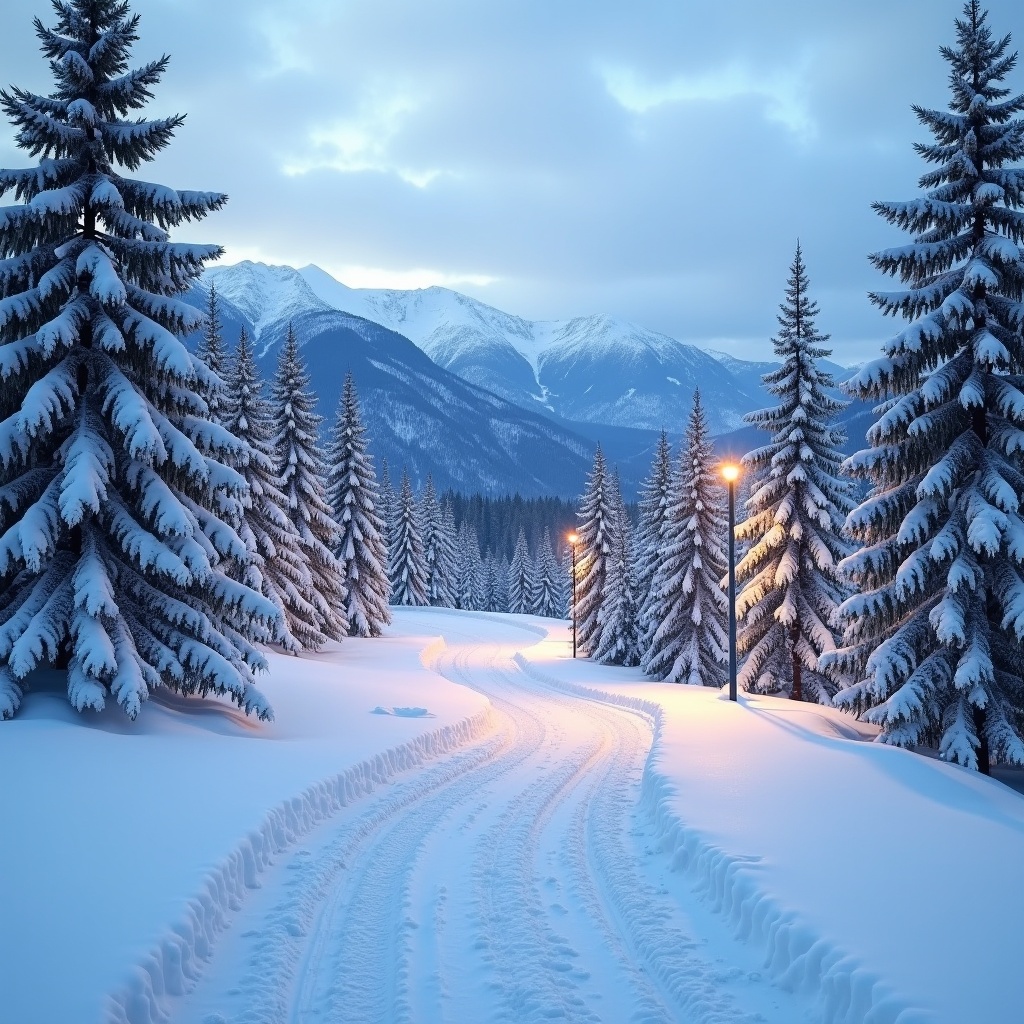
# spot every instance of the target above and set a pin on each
(521, 855)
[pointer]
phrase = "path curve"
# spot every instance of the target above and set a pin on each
(514, 880)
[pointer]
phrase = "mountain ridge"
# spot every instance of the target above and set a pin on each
(596, 369)
(506, 424)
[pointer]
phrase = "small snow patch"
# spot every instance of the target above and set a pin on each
(403, 712)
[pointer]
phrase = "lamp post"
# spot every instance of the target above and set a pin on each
(730, 473)
(573, 540)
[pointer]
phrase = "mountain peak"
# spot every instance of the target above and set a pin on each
(265, 293)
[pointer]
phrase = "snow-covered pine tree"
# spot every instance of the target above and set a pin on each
(408, 570)
(438, 550)
(492, 572)
(521, 578)
(932, 640)
(302, 477)
(388, 505)
(113, 480)
(277, 565)
(686, 639)
(619, 640)
(213, 353)
(597, 526)
(548, 597)
(795, 514)
(471, 592)
(479, 578)
(354, 500)
(463, 570)
(449, 558)
(654, 504)
(499, 585)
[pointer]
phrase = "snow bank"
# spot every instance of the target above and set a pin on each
(136, 843)
(174, 966)
(885, 882)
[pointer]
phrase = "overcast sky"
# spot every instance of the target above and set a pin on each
(655, 160)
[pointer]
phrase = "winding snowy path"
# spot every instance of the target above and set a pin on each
(514, 880)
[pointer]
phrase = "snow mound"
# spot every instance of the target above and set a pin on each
(403, 712)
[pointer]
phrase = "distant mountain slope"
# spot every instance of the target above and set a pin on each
(418, 414)
(488, 401)
(594, 369)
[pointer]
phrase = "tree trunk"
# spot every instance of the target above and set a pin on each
(984, 764)
(797, 693)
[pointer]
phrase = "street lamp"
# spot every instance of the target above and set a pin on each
(731, 473)
(573, 540)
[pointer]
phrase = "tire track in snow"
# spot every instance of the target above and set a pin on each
(429, 894)
(671, 978)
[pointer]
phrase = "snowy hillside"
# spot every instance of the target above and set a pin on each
(593, 369)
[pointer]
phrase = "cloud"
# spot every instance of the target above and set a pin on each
(783, 92)
(656, 160)
(363, 142)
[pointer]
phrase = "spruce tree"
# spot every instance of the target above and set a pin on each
(463, 570)
(114, 562)
(593, 551)
(933, 637)
(277, 565)
(438, 550)
(520, 578)
(795, 514)
(619, 639)
(471, 576)
(213, 353)
(354, 499)
(548, 596)
(686, 639)
(654, 505)
(479, 576)
(408, 569)
(448, 557)
(500, 588)
(493, 601)
(388, 503)
(303, 481)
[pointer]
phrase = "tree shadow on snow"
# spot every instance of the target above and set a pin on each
(165, 713)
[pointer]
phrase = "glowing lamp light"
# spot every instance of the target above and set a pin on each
(730, 472)
(572, 538)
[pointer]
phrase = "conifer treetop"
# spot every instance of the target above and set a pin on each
(797, 507)
(119, 485)
(933, 638)
(354, 498)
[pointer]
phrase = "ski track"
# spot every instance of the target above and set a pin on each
(508, 881)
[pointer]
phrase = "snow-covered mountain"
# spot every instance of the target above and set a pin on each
(418, 414)
(438, 369)
(593, 369)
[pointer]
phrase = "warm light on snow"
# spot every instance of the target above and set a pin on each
(730, 472)
(481, 815)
